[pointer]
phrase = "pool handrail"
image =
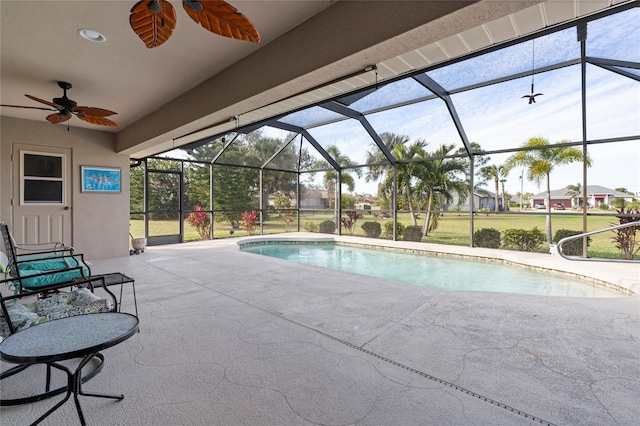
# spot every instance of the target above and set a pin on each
(586, 234)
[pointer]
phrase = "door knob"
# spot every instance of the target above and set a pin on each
(67, 208)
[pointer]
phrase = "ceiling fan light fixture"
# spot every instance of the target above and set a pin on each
(66, 108)
(194, 5)
(91, 35)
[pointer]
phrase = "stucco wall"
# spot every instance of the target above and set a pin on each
(100, 222)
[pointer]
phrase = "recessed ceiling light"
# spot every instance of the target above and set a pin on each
(91, 35)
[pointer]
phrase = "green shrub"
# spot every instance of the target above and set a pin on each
(523, 239)
(400, 228)
(327, 227)
(372, 229)
(486, 237)
(310, 226)
(618, 202)
(388, 229)
(604, 206)
(572, 248)
(413, 233)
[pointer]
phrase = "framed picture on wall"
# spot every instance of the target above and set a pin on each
(101, 179)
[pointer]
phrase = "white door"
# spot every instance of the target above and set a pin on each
(41, 194)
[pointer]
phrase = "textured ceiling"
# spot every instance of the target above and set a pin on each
(40, 45)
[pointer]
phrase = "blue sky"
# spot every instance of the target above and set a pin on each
(498, 118)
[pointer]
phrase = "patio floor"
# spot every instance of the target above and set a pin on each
(232, 338)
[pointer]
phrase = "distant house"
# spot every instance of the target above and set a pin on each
(484, 200)
(314, 199)
(596, 195)
(517, 200)
(365, 203)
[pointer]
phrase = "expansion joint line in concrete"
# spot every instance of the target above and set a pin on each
(473, 394)
(531, 417)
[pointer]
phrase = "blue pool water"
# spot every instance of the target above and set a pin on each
(433, 271)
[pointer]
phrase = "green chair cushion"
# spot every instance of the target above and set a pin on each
(48, 279)
(48, 263)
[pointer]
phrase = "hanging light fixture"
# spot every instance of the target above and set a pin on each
(532, 96)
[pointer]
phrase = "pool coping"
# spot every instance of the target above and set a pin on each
(622, 277)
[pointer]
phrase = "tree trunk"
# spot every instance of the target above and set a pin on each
(336, 211)
(495, 180)
(427, 218)
(408, 194)
(549, 238)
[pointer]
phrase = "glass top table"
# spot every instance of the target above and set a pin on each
(81, 336)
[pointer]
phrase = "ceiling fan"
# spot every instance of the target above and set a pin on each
(154, 20)
(66, 108)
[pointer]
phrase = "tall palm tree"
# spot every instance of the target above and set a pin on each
(331, 176)
(402, 151)
(574, 191)
(375, 157)
(494, 172)
(541, 162)
(406, 172)
(504, 195)
(438, 180)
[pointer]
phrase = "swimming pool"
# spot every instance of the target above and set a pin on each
(432, 271)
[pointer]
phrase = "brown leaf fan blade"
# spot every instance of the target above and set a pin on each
(96, 112)
(221, 18)
(97, 120)
(58, 118)
(153, 28)
(56, 106)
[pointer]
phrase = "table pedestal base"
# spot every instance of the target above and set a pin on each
(48, 393)
(74, 387)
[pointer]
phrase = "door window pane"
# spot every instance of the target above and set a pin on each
(42, 178)
(42, 166)
(42, 191)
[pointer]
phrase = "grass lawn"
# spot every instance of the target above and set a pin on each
(453, 228)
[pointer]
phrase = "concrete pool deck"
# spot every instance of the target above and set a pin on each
(232, 338)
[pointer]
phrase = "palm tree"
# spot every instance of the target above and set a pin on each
(504, 195)
(375, 156)
(574, 191)
(494, 172)
(403, 153)
(540, 163)
(331, 176)
(438, 180)
(406, 171)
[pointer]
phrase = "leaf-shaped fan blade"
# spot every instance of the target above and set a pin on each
(29, 107)
(57, 118)
(56, 106)
(153, 28)
(97, 120)
(96, 112)
(221, 18)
